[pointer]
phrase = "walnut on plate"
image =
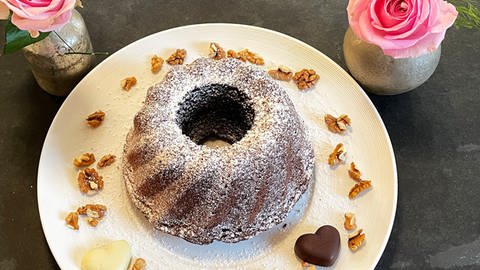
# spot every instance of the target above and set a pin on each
(177, 58)
(84, 159)
(94, 213)
(246, 55)
(128, 83)
(106, 160)
(156, 63)
(89, 180)
(356, 240)
(216, 52)
(72, 220)
(337, 125)
(361, 186)
(338, 155)
(139, 264)
(305, 78)
(349, 223)
(282, 73)
(95, 119)
(354, 173)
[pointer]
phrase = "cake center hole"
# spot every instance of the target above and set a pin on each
(215, 115)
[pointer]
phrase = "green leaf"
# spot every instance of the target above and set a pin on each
(15, 39)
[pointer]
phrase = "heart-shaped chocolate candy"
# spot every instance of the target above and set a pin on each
(320, 248)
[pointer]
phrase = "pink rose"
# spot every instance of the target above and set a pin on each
(402, 28)
(39, 15)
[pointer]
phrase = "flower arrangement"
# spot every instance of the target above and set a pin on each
(31, 21)
(407, 28)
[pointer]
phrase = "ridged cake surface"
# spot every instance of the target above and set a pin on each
(202, 193)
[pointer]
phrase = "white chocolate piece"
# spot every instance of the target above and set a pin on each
(113, 256)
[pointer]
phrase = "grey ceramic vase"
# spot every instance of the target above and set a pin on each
(56, 72)
(382, 74)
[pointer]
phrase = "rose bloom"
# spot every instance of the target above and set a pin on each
(38, 15)
(401, 28)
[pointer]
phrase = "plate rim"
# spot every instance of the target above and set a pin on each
(250, 27)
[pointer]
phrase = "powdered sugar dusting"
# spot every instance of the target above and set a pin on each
(229, 194)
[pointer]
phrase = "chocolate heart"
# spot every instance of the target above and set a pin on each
(321, 248)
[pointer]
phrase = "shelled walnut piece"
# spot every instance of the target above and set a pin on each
(89, 180)
(282, 73)
(177, 58)
(305, 78)
(338, 155)
(216, 52)
(128, 83)
(83, 160)
(349, 223)
(106, 160)
(359, 187)
(246, 55)
(139, 264)
(72, 220)
(337, 125)
(156, 63)
(354, 173)
(95, 119)
(356, 240)
(94, 213)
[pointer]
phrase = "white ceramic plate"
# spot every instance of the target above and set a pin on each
(367, 143)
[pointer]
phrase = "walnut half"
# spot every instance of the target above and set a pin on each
(177, 58)
(305, 78)
(216, 52)
(338, 155)
(359, 187)
(349, 223)
(95, 119)
(139, 264)
(156, 63)
(106, 160)
(282, 73)
(94, 213)
(128, 83)
(356, 240)
(84, 159)
(72, 220)
(246, 55)
(337, 125)
(89, 180)
(354, 172)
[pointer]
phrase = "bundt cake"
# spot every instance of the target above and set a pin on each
(202, 193)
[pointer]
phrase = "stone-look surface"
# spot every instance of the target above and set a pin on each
(435, 129)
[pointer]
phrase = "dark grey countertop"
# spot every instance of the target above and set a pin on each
(435, 129)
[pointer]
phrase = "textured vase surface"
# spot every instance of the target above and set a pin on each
(55, 69)
(382, 74)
